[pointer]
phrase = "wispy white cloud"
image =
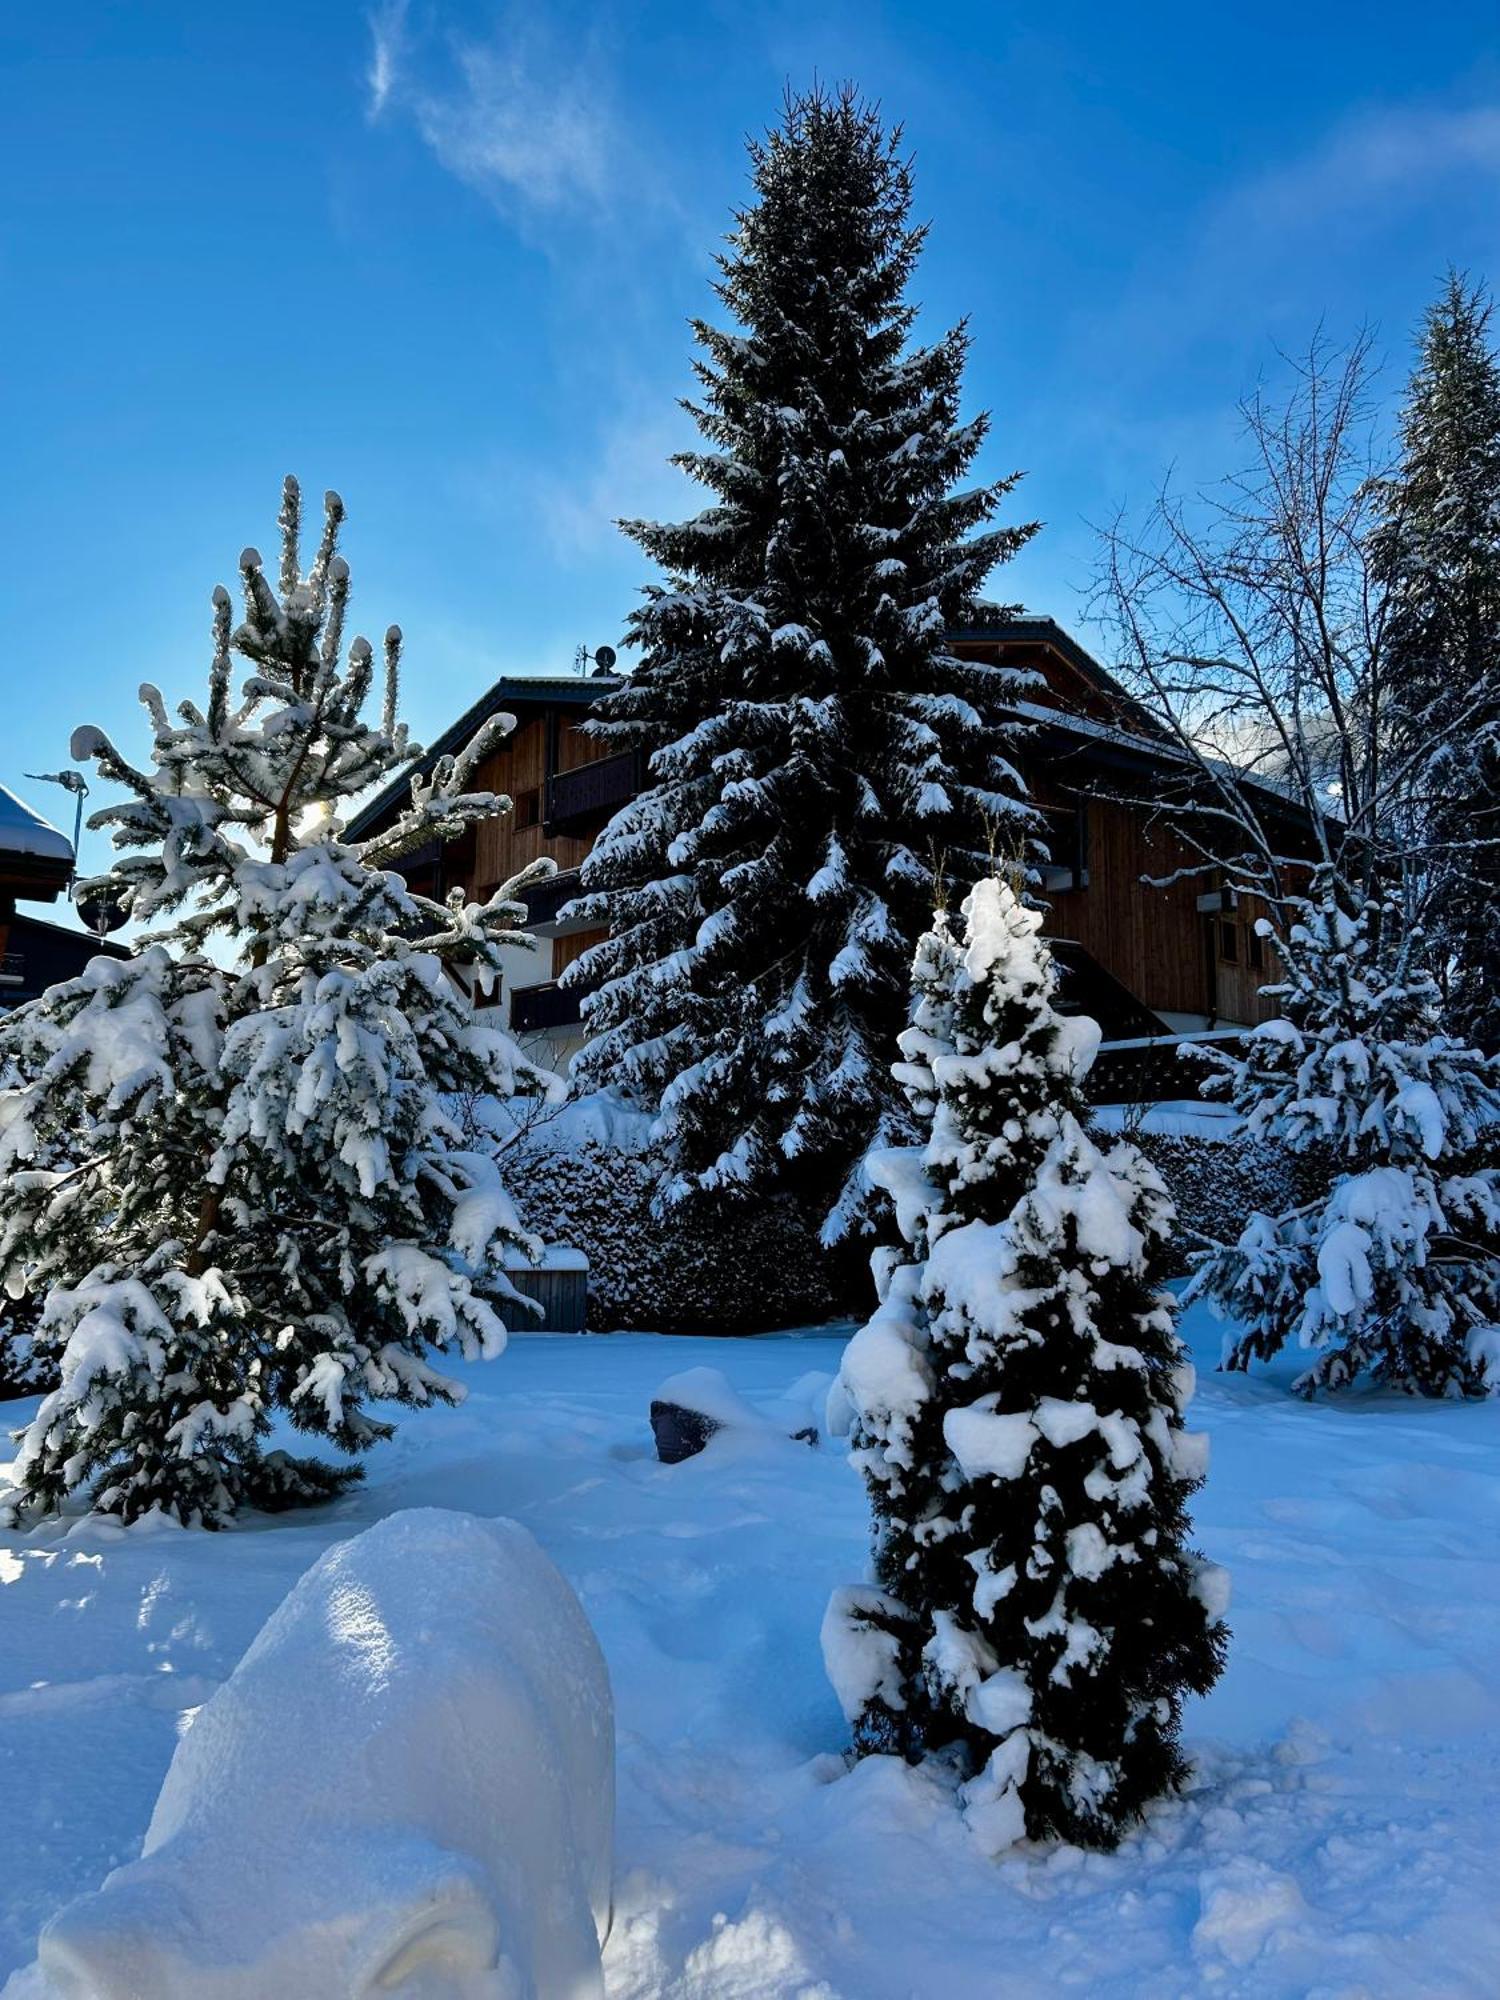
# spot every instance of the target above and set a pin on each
(1261, 257)
(1371, 163)
(529, 120)
(1401, 154)
(627, 475)
(387, 49)
(1337, 229)
(521, 127)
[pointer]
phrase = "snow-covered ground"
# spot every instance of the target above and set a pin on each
(1339, 1839)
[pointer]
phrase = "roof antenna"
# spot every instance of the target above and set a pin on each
(77, 784)
(603, 659)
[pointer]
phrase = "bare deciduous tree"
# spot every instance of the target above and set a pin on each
(1253, 624)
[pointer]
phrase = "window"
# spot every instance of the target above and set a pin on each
(1256, 946)
(1229, 943)
(1066, 833)
(528, 808)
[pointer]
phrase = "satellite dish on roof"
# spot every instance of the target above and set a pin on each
(603, 659)
(100, 911)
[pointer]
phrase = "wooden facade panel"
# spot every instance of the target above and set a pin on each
(1243, 963)
(1155, 942)
(574, 748)
(505, 845)
(1063, 684)
(1152, 940)
(574, 945)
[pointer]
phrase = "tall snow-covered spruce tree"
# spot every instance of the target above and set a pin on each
(1438, 555)
(815, 751)
(228, 1162)
(1394, 1272)
(1017, 1401)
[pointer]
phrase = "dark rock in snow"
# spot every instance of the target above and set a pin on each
(689, 1408)
(679, 1432)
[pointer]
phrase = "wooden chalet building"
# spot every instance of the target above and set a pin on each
(1152, 965)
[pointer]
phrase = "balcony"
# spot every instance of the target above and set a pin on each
(1153, 1069)
(593, 790)
(543, 1009)
(543, 900)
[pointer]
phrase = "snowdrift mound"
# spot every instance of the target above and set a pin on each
(405, 1787)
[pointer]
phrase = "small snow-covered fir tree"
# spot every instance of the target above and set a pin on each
(229, 1163)
(1438, 556)
(1017, 1407)
(812, 743)
(1394, 1273)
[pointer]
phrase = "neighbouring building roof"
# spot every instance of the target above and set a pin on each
(37, 955)
(514, 691)
(23, 831)
(36, 861)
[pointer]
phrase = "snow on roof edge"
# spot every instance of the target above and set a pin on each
(23, 831)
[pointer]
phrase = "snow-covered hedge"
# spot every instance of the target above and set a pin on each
(675, 1275)
(587, 1178)
(1217, 1183)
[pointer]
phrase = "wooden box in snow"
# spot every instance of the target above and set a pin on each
(560, 1286)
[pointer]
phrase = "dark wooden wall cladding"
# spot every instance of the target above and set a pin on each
(574, 748)
(519, 769)
(573, 945)
(1063, 685)
(1151, 939)
(1101, 787)
(1243, 962)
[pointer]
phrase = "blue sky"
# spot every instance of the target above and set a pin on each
(440, 256)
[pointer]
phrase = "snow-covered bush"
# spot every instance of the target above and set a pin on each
(1394, 1271)
(685, 1271)
(405, 1787)
(228, 1164)
(1018, 1398)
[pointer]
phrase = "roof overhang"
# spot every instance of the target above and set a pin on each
(516, 695)
(36, 860)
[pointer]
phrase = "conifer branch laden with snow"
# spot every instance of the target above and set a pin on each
(811, 741)
(1437, 550)
(235, 1174)
(1017, 1401)
(1395, 1273)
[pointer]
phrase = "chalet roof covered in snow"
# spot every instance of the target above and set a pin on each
(35, 859)
(24, 832)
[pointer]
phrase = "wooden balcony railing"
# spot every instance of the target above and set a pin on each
(593, 789)
(544, 899)
(535, 1009)
(1152, 1070)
